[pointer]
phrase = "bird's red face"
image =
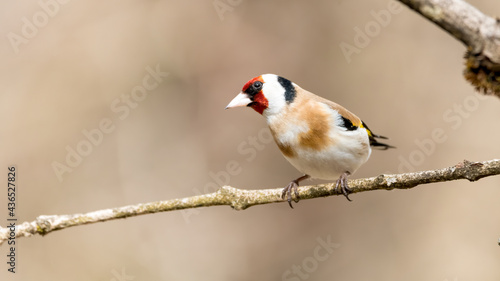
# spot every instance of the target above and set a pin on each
(251, 95)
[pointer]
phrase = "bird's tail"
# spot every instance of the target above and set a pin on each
(374, 142)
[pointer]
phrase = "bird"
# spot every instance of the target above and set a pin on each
(320, 138)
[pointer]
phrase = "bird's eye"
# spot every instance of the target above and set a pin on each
(257, 85)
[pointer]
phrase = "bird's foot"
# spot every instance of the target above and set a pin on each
(293, 187)
(342, 183)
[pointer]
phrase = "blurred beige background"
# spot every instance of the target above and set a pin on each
(81, 63)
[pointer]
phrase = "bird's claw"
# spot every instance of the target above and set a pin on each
(292, 186)
(342, 183)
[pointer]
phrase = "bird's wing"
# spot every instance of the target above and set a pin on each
(351, 121)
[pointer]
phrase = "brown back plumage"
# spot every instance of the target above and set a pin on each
(351, 117)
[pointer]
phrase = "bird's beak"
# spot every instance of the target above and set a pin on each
(241, 99)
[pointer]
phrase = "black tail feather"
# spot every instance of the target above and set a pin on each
(380, 145)
(374, 142)
(379, 136)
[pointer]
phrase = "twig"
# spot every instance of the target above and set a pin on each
(479, 32)
(241, 199)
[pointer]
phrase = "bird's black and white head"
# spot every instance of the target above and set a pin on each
(267, 94)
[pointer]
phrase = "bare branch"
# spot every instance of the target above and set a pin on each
(241, 199)
(464, 22)
(479, 32)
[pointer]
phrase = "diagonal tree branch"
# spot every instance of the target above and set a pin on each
(479, 32)
(241, 199)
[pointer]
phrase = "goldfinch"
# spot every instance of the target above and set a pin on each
(318, 137)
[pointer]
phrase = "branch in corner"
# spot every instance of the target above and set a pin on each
(479, 32)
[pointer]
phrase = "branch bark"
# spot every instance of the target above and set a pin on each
(479, 32)
(241, 199)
